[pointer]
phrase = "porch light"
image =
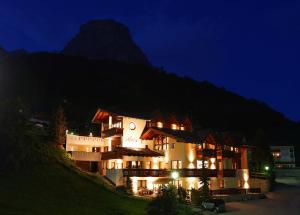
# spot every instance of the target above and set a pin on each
(175, 175)
(267, 168)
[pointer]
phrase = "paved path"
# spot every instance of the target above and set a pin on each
(284, 200)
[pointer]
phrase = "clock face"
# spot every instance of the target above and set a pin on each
(132, 125)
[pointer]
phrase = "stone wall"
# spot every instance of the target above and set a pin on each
(263, 184)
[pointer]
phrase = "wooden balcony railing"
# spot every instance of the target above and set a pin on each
(86, 156)
(167, 173)
(146, 172)
(206, 152)
(198, 172)
(229, 172)
(112, 132)
(229, 154)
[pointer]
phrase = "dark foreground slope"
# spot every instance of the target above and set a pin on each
(55, 189)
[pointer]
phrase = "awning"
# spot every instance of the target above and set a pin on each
(163, 181)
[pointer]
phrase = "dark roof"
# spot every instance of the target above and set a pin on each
(105, 113)
(179, 135)
(119, 152)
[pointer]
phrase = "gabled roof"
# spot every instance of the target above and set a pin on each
(179, 135)
(119, 152)
(102, 115)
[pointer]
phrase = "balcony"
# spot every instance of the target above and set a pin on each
(206, 152)
(146, 172)
(229, 172)
(86, 156)
(230, 154)
(167, 173)
(197, 172)
(112, 132)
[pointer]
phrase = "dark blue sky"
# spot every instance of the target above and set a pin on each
(249, 47)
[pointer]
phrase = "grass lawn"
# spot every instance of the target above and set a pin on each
(54, 189)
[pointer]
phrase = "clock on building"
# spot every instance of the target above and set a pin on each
(132, 125)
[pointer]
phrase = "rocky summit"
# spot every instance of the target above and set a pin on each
(106, 40)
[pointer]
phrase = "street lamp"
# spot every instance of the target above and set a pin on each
(174, 175)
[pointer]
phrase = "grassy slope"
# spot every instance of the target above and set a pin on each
(55, 189)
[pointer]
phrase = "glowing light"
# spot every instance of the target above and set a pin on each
(174, 126)
(213, 163)
(160, 124)
(191, 182)
(109, 144)
(191, 166)
(267, 168)
(175, 175)
(155, 163)
(166, 158)
(150, 181)
(246, 178)
(191, 158)
(91, 134)
(134, 185)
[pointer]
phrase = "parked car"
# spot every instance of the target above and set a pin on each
(215, 205)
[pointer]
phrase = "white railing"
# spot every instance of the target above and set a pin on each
(83, 140)
(86, 156)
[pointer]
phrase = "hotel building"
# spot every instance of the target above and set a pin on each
(154, 152)
(284, 156)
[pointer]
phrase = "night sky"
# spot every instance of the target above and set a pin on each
(249, 47)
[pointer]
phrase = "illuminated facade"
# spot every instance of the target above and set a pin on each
(155, 152)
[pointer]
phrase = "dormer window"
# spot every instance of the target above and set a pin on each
(160, 124)
(174, 126)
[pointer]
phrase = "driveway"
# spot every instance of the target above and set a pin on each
(285, 200)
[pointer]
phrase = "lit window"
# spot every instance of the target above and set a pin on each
(174, 126)
(159, 124)
(176, 164)
(200, 164)
(182, 128)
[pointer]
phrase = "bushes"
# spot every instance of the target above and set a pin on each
(165, 203)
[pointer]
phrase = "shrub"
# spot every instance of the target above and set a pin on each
(165, 203)
(181, 195)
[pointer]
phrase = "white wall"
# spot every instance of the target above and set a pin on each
(131, 138)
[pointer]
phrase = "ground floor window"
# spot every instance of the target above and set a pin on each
(142, 183)
(177, 183)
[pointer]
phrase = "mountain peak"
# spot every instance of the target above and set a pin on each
(105, 39)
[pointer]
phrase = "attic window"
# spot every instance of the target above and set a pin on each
(174, 126)
(159, 124)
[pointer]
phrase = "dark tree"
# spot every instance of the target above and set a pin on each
(59, 127)
(204, 181)
(261, 154)
(128, 185)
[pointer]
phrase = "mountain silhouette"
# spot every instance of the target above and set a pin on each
(106, 40)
